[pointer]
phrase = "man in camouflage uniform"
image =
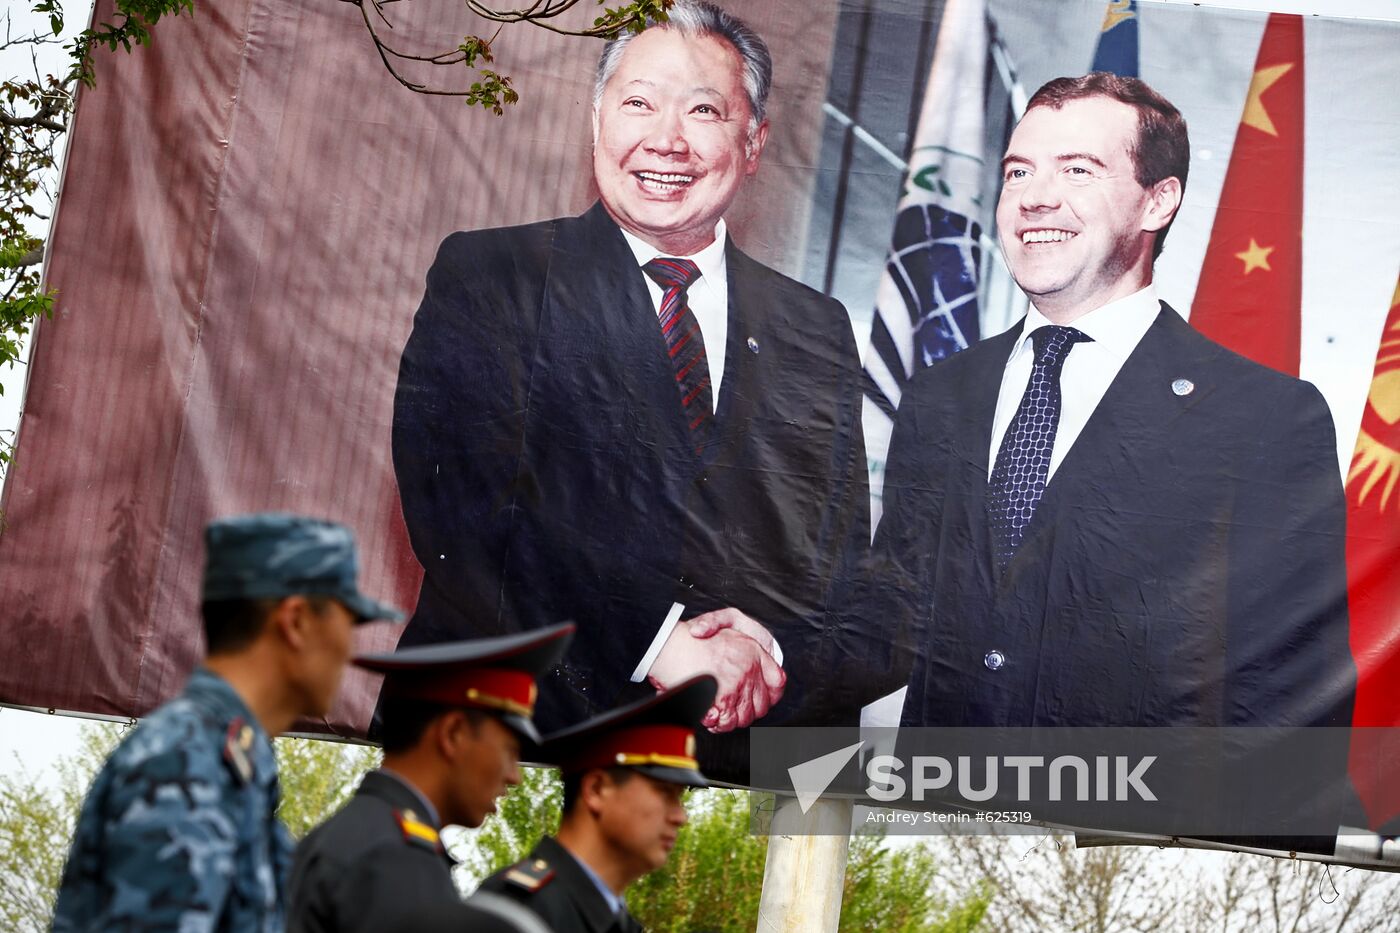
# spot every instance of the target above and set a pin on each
(179, 830)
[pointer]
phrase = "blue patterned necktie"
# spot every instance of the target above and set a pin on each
(684, 343)
(1023, 462)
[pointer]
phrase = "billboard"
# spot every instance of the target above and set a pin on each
(287, 282)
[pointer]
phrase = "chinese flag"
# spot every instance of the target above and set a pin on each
(1250, 294)
(1373, 583)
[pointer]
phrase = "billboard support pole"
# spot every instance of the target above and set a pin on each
(806, 868)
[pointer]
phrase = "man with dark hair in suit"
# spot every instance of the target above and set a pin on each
(1100, 517)
(622, 419)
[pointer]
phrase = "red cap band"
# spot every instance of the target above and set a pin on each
(487, 688)
(667, 745)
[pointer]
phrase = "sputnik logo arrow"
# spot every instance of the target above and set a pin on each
(811, 778)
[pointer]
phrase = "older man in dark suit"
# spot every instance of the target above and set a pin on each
(622, 419)
(1100, 517)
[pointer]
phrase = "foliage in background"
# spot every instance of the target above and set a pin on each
(529, 811)
(317, 778)
(715, 874)
(891, 889)
(492, 90)
(36, 826)
(1046, 883)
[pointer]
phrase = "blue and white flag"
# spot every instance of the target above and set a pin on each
(1117, 50)
(926, 305)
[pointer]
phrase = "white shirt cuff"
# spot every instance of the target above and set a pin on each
(658, 642)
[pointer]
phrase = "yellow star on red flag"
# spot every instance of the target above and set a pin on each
(1255, 257)
(1254, 113)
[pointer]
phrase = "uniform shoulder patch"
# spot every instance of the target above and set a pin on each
(416, 832)
(530, 874)
(237, 744)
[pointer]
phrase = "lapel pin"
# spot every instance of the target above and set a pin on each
(753, 345)
(1183, 387)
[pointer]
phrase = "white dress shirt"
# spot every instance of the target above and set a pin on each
(1089, 369)
(708, 298)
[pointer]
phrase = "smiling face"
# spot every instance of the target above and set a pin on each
(671, 140)
(1075, 226)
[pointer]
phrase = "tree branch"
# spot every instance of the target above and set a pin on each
(494, 89)
(38, 119)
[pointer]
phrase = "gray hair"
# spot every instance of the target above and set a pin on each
(693, 18)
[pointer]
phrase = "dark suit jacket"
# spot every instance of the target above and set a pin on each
(360, 871)
(546, 471)
(1185, 566)
(552, 883)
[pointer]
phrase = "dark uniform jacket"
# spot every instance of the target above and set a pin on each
(373, 863)
(553, 884)
(546, 469)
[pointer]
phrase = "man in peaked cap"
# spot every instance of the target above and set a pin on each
(453, 718)
(179, 830)
(625, 774)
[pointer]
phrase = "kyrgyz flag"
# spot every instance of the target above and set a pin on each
(1373, 582)
(1250, 294)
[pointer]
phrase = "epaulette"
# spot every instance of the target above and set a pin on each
(416, 831)
(236, 745)
(530, 875)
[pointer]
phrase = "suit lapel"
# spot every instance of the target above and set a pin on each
(595, 281)
(977, 410)
(743, 299)
(1130, 425)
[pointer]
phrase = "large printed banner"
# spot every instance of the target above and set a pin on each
(285, 282)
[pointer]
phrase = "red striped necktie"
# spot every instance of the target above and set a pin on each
(685, 343)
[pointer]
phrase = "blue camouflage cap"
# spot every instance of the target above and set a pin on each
(272, 555)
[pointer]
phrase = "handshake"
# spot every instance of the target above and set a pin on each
(737, 651)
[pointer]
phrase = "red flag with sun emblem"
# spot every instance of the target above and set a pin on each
(1373, 581)
(1250, 293)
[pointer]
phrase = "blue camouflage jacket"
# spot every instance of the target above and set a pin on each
(179, 830)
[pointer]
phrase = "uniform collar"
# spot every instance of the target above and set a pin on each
(430, 812)
(596, 911)
(615, 902)
(218, 696)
